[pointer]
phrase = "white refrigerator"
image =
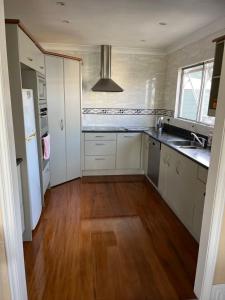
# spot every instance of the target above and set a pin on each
(34, 184)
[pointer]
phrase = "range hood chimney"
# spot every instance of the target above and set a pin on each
(105, 83)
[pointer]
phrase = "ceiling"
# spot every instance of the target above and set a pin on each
(124, 23)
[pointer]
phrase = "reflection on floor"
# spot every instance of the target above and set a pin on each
(109, 240)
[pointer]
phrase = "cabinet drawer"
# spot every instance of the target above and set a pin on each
(101, 136)
(99, 162)
(100, 147)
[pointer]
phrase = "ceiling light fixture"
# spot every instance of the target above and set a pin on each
(65, 21)
(60, 3)
(162, 23)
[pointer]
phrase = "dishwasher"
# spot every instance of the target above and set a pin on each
(154, 160)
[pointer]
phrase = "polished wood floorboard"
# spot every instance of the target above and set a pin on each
(109, 240)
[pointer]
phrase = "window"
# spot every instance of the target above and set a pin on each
(194, 93)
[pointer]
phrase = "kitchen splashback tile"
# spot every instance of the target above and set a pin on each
(128, 111)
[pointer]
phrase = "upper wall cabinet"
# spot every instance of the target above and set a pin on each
(218, 61)
(29, 53)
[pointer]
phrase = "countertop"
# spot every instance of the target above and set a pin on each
(199, 155)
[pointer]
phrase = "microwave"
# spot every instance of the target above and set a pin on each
(42, 94)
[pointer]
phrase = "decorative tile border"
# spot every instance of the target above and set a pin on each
(127, 111)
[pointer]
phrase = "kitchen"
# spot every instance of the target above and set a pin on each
(112, 124)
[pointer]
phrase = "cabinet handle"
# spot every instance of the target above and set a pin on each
(30, 59)
(99, 158)
(128, 136)
(61, 124)
(99, 136)
(98, 144)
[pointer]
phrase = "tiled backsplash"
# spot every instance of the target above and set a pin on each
(128, 111)
(122, 116)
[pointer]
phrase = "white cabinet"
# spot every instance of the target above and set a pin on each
(100, 151)
(100, 136)
(111, 153)
(182, 187)
(128, 154)
(100, 147)
(63, 97)
(29, 53)
(100, 162)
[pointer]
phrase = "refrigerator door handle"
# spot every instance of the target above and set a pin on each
(61, 124)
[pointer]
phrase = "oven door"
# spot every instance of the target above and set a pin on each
(43, 121)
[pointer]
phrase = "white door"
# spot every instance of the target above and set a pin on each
(72, 117)
(56, 121)
(128, 151)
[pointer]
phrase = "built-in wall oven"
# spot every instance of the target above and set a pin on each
(42, 94)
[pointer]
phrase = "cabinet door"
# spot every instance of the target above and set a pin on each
(198, 210)
(171, 180)
(128, 151)
(55, 99)
(39, 61)
(72, 117)
(185, 172)
(26, 50)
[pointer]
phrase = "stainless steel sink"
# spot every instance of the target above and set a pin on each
(186, 144)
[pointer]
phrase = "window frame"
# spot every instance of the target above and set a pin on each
(180, 94)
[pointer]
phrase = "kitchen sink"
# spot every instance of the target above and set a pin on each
(186, 144)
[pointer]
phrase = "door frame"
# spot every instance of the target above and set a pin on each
(214, 203)
(9, 192)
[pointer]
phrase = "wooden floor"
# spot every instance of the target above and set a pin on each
(109, 241)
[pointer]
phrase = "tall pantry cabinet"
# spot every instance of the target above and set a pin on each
(64, 107)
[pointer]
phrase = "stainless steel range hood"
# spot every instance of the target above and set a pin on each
(105, 83)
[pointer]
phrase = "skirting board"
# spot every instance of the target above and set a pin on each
(112, 172)
(218, 292)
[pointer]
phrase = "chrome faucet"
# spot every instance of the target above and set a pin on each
(199, 139)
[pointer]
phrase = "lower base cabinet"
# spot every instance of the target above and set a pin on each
(128, 155)
(182, 189)
(109, 153)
